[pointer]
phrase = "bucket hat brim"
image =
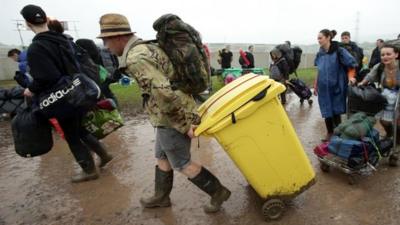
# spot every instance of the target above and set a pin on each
(112, 34)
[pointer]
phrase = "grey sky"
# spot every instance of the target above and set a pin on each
(233, 21)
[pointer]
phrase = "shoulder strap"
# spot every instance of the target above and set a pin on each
(379, 72)
(72, 47)
(140, 41)
(339, 56)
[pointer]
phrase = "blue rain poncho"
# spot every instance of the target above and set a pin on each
(332, 79)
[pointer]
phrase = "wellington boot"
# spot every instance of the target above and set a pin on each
(97, 147)
(89, 172)
(163, 186)
(207, 182)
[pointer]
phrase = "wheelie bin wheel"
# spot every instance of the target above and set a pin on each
(273, 209)
(310, 101)
(324, 167)
(393, 160)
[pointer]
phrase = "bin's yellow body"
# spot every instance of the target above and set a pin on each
(258, 136)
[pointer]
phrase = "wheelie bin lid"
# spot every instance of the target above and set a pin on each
(233, 96)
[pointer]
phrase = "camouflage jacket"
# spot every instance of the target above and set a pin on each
(150, 67)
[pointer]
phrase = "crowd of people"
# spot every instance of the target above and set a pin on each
(246, 59)
(341, 64)
(338, 64)
(173, 112)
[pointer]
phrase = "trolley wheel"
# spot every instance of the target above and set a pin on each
(301, 101)
(351, 179)
(310, 101)
(324, 167)
(393, 160)
(273, 209)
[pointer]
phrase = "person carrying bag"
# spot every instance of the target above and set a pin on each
(60, 90)
(74, 91)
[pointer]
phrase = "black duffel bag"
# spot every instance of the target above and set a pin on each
(16, 93)
(32, 134)
(365, 99)
(69, 94)
(3, 94)
(12, 100)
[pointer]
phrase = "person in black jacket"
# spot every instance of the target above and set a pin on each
(376, 54)
(352, 48)
(47, 67)
(279, 70)
(225, 57)
(250, 58)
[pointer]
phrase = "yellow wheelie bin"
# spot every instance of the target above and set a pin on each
(247, 119)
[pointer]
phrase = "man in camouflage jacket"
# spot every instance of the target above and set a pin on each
(171, 112)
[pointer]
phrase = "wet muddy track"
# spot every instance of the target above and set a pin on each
(39, 191)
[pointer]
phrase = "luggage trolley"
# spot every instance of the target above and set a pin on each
(387, 146)
(300, 89)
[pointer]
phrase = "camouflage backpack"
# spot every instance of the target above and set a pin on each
(182, 43)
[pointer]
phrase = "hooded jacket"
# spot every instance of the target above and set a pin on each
(46, 60)
(279, 69)
(332, 79)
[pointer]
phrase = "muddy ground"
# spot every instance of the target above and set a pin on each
(39, 191)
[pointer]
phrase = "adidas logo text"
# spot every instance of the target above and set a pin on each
(55, 96)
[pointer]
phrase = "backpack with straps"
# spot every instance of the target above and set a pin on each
(355, 51)
(76, 59)
(183, 45)
(81, 56)
(292, 56)
(297, 52)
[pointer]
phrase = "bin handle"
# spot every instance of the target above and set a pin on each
(212, 103)
(256, 98)
(233, 117)
(261, 95)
